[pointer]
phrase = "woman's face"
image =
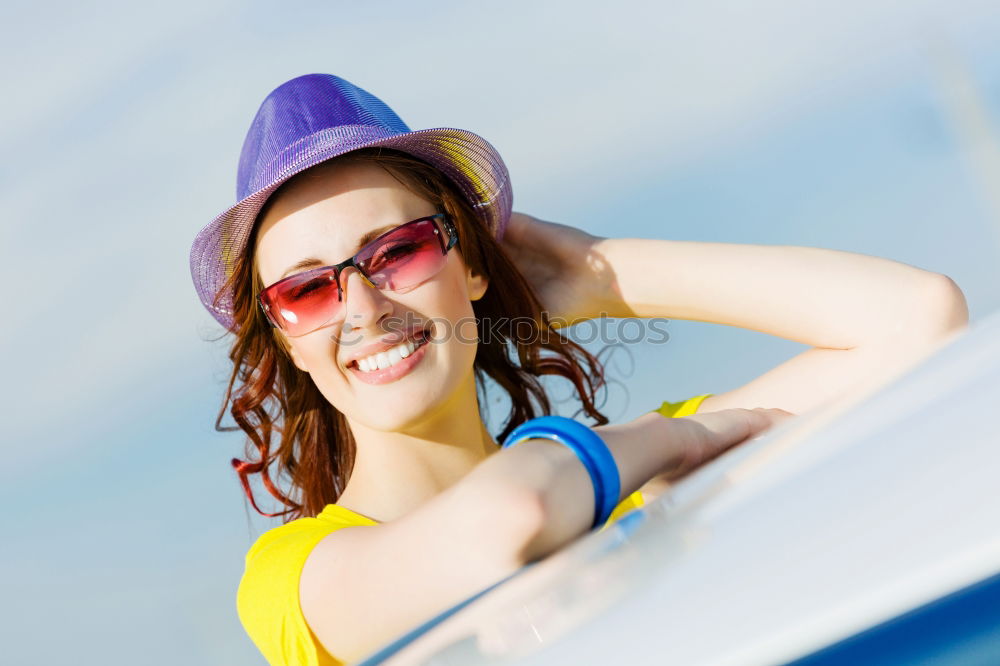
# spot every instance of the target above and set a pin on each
(324, 216)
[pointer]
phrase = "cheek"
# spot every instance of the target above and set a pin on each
(307, 349)
(317, 353)
(454, 309)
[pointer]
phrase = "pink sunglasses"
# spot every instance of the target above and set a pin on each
(400, 258)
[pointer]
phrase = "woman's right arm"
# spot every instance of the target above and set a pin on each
(362, 587)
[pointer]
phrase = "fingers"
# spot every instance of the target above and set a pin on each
(725, 428)
(763, 418)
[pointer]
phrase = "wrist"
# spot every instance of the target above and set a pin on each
(588, 446)
(605, 291)
(649, 446)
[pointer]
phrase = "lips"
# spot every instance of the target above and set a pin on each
(400, 368)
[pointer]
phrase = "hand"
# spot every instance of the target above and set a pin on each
(715, 432)
(571, 279)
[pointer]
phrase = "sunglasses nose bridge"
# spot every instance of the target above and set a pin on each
(364, 307)
(360, 272)
(342, 280)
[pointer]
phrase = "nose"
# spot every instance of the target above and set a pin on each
(364, 304)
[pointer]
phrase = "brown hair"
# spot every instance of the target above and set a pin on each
(315, 450)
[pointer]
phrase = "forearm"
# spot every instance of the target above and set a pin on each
(552, 474)
(819, 297)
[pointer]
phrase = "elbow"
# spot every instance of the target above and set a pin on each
(500, 522)
(522, 521)
(943, 309)
(927, 315)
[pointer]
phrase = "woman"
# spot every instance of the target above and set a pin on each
(362, 275)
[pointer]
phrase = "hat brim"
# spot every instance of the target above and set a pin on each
(465, 158)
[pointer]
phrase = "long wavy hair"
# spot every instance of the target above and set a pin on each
(293, 431)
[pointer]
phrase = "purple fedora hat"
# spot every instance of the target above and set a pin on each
(311, 119)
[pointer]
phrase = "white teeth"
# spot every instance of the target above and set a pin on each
(394, 356)
(387, 358)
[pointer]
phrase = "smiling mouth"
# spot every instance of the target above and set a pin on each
(392, 356)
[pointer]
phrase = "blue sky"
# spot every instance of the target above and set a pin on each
(863, 126)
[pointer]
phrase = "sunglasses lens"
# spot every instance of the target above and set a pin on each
(405, 257)
(303, 303)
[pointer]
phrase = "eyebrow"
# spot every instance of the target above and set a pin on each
(366, 238)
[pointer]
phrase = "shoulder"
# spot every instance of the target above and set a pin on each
(294, 535)
(682, 408)
(267, 600)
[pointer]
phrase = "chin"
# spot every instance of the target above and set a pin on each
(396, 406)
(397, 415)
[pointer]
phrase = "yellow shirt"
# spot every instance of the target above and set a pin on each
(268, 597)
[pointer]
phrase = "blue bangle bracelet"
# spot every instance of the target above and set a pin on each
(589, 448)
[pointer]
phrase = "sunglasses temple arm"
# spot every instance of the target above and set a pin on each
(267, 313)
(449, 227)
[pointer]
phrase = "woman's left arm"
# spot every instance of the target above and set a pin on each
(862, 315)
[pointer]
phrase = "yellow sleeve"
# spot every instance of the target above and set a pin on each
(633, 501)
(671, 410)
(682, 408)
(268, 597)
